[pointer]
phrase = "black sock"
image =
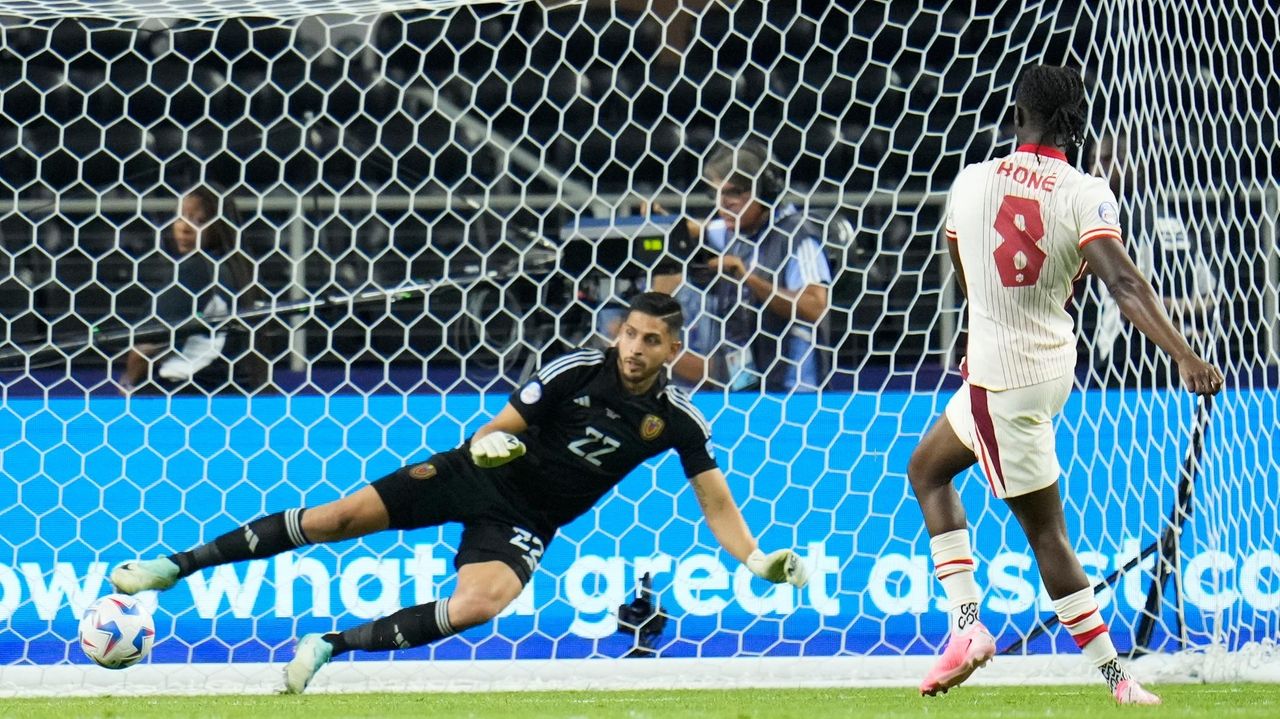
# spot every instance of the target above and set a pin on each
(265, 537)
(407, 628)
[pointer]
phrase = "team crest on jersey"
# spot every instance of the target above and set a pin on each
(1108, 213)
(651, 426)
(426, 470)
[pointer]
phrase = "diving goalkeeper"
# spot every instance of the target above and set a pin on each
(564, 439)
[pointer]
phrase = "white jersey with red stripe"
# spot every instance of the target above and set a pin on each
(1019, 223)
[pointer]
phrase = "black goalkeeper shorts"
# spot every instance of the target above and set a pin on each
(449, 488)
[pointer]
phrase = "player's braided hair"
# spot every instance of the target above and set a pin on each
(660, 305)
(1054, 97)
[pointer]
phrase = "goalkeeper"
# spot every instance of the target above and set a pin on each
(564, 439)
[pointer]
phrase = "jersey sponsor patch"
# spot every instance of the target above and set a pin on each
(426, 470)
(531, 393)
(1108, 213)
(651, 426)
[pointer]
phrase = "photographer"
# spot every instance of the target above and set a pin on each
(758, 293)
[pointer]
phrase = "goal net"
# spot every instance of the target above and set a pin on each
(431, 199)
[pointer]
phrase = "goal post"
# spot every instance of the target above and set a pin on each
(407, 181)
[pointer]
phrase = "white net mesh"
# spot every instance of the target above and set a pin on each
(411, 190)
(158, 12)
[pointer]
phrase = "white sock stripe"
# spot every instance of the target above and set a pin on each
(288, 530)
(290, 517)
(442, 617)
(297, 522)
(293, 525)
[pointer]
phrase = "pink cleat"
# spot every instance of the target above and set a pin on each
(962, 657)
(1129, 691)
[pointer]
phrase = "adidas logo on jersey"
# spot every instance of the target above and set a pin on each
(583, 401)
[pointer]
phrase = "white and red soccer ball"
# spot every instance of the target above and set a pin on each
(117, 631)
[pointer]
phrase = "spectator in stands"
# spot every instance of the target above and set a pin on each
(758, 293)
(209, 277)
(1167, 254)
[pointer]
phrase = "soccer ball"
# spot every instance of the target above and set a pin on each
(117, 631)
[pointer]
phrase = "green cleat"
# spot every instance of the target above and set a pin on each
(312, 653)
(143, 574)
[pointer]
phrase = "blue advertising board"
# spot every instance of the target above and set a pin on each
(89, 482)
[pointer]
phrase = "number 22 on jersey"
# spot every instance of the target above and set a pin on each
(595, 445)
(1018, 256)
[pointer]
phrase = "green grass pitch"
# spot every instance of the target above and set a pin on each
(1216, 701)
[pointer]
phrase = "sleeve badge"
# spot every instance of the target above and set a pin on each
(531, 393)
(426, 470)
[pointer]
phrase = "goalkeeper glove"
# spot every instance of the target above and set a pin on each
(495, 449)
(781, 566)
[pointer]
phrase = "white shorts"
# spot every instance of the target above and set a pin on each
(1011, 433)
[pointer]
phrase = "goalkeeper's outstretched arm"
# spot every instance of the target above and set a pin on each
(731, 531)
(496, 443)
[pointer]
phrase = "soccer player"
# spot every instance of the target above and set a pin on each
(1020, 228)
(564, 439)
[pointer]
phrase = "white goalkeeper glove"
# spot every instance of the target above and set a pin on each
(496, 449)
(780, 566)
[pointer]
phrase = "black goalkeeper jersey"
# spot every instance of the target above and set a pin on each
(586, 433)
